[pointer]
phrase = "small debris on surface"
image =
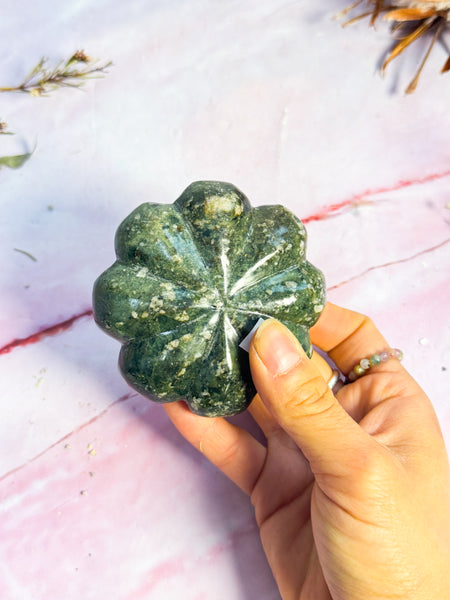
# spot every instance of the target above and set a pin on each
(91, 450)
(424, 341)
(40, 378)
(33, 258)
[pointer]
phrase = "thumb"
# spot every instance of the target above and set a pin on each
(300, 400)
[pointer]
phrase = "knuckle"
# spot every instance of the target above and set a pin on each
(367, 326)
(223, 449)
(227, 455)
(367, 323)
(309, 398)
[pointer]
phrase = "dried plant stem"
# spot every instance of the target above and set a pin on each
(70, 73)
(42, 80)
(33, 258)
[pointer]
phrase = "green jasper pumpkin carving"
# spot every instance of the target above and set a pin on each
(191, 280)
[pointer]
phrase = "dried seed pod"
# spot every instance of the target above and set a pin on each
(411, 20)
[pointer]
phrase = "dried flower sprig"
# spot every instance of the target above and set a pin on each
(411, 20)
(70, 73)
(4, 129)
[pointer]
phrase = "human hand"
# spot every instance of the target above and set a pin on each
(351, 493)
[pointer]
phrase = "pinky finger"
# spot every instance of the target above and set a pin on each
(230, 448)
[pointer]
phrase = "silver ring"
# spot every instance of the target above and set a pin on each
(334, 379)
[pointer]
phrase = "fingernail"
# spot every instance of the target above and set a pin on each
(276, 347)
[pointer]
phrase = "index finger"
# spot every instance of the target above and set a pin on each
(347, 336)
(230, 448)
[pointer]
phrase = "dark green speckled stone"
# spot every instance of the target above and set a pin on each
(190, 281)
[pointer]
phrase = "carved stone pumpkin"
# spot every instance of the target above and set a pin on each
(191, 280)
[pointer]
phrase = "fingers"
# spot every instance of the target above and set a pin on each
(348, 337)
(231, 449)
(297, 396)
(406, 414)
(262, 416)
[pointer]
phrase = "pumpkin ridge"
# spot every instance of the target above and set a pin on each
(168, 331)
(189, 283)
(190, 228)
(275, 241)
(253, 283)
(163, 279)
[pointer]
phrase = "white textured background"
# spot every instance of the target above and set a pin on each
(99, 496)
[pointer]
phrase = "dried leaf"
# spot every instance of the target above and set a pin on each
(398, 49)
(446, 66)
(409, 14)
(379, 6)
(412, 86)
(408, 23)
(356, 19)
(344, 12)
(14, 162)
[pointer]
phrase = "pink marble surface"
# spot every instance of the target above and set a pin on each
(99, 496)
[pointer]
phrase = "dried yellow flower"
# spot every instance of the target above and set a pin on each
(80, 56)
